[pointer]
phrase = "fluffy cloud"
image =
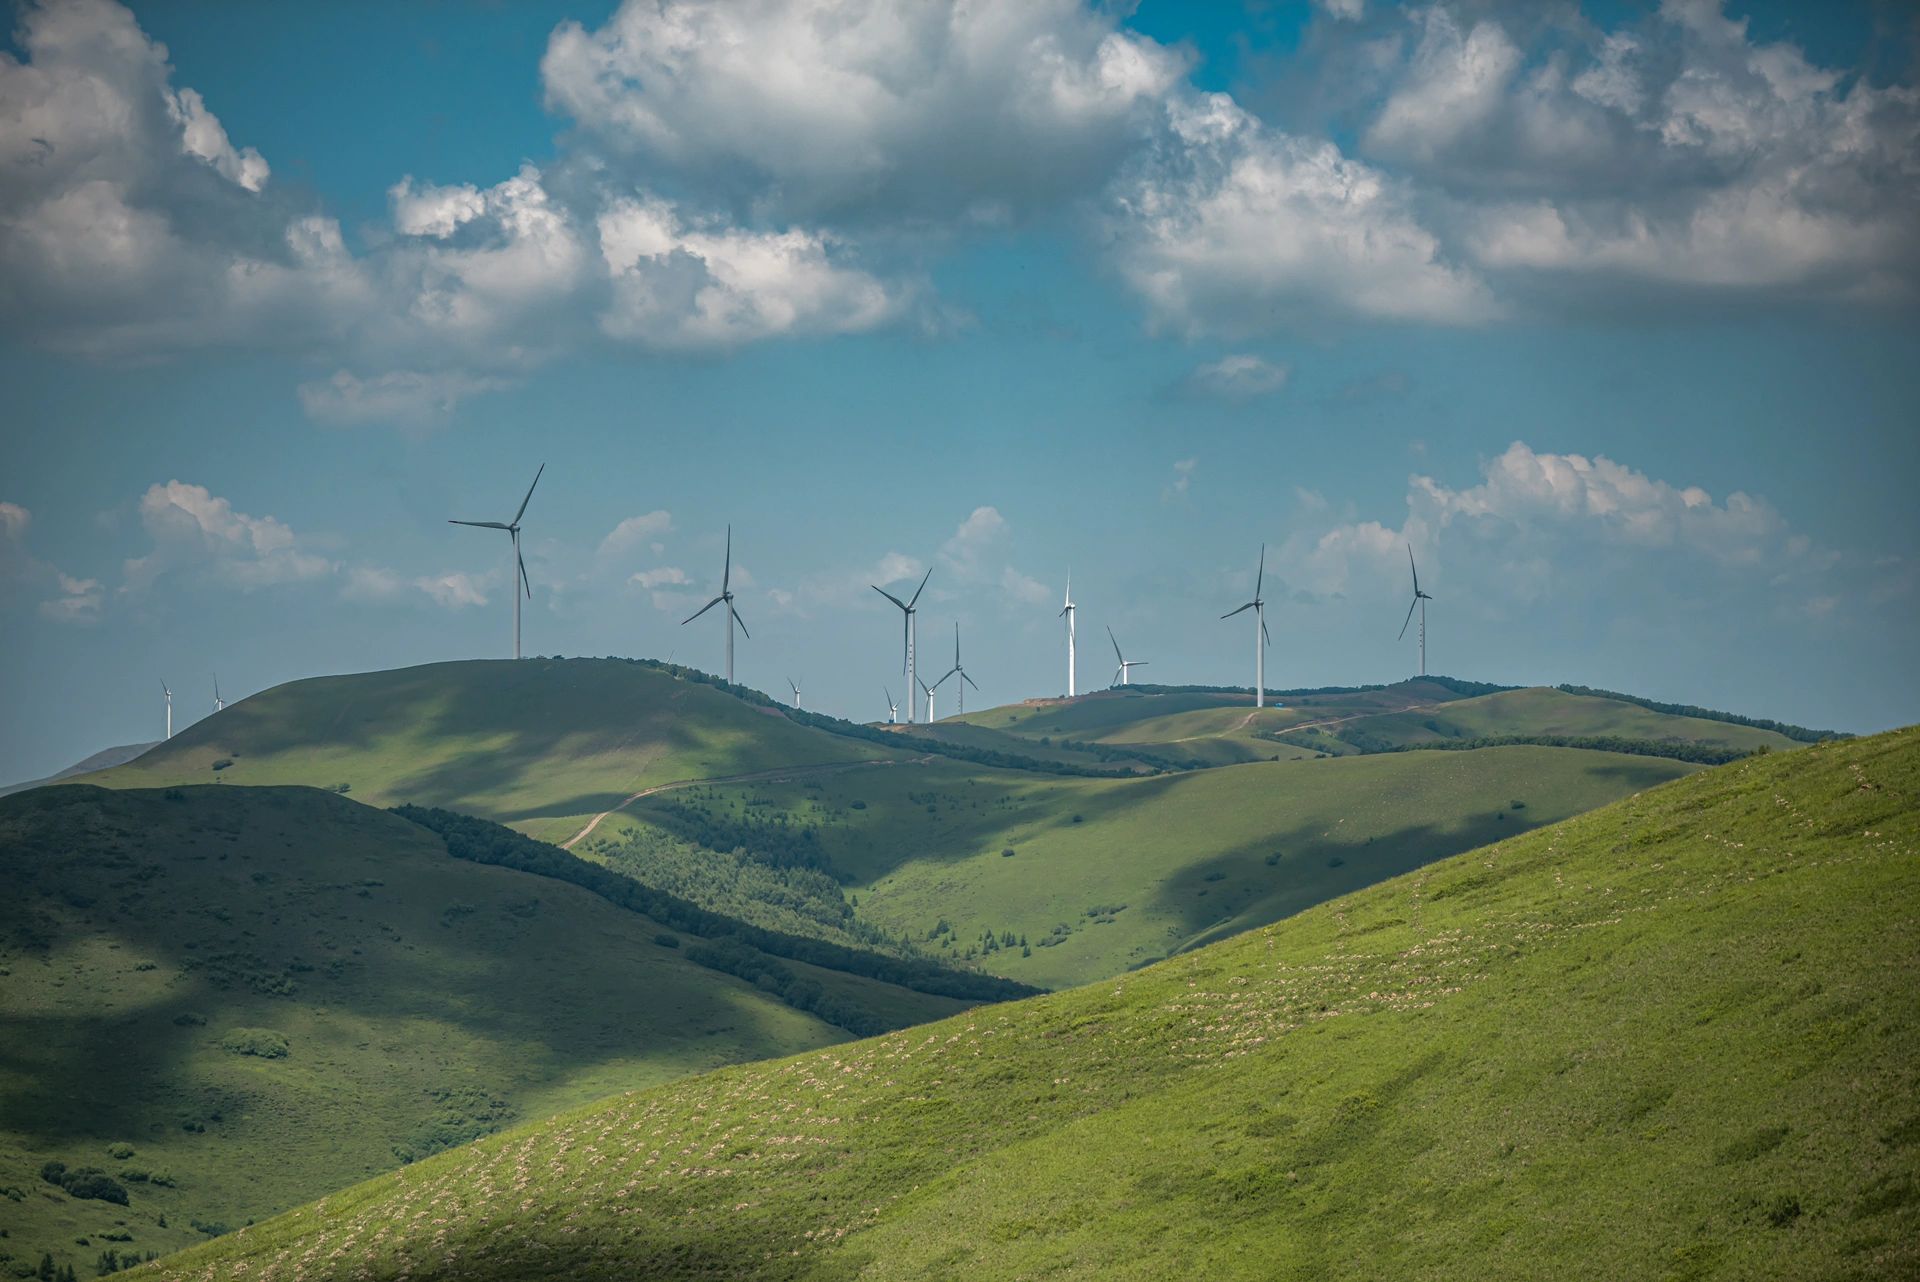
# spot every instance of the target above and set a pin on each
(1677, 153)
(1228, 226)
(676, 285)
(451, 590)
(1237, 377)
(407, 397)
(79, 601)
(636, 530)
(75, 600)
(978, 107)
(665, 576)
(195, 530)
(976, 555)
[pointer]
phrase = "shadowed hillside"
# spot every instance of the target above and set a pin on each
(1676, 1037)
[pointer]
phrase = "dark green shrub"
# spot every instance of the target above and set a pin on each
(122, 1150)
(263, 1043)
(667, 941)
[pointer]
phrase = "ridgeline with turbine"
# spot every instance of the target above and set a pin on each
(726, 597)
(908, 609)
(1261, 639)
(956, 670)
(1420, 600)
(1066, 612)
(1125, 670)
(520, 566)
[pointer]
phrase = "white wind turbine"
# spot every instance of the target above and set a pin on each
(908, 608)
(218, 702)
(726, 595)
(1066, 612)
(1420, 599)
(169, 694)
(796, 691)
(1261, 640)
(1122, 673)
(955, 670)
(520, 567)
(893, 709)
(928, 691)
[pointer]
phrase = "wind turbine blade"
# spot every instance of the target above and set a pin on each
(702, 610)
(1242, 610)
(1415, 569)
(889, 695)
(1116, 644)
(1265, 635)
(1262, 576)
(482, 525)
(737, 619)
(1139, 663)
(1119, 674)
(1407, 620)
(890, 596)
(523, 573)
(726, 571)
(922, 588)
(969, 680)
(523, 502)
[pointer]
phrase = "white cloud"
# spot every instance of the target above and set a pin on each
(79, 601)
(193, 529)
(1229, 226)
(202, 135)
(76, 600)
(676, 285)
(1024, 588)
(431, 210)
(452, 590)
(665, 576)
(1456, 79)
(455, 589)
(635, 530)
(979, 108)
(407, 397)
(1238, 377)
(1182, 481)
(1345, 10)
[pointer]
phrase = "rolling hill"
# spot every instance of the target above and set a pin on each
(1676, 1037)
(542, 744)
(266, 993)
(104, 759)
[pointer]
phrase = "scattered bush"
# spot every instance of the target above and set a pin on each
(122, 1150)
(87, 1183)
(262, 1043)
(1007, 853)
(223, 763)
(667, 941)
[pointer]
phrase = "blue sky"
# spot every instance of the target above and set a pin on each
(1609, 311)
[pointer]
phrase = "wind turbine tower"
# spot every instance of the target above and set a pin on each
(520, 566)
(796, 691)
(956, 670)
(169, 694)
(1420, 600)
(726, 597)
(907, 610)
(218, 702)
(1261, 640)
(893, 709)
(1122, 673)
(928, 691)
(1066, 612)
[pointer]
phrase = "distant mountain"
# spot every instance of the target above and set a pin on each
(104, 759)
(1672, 1038)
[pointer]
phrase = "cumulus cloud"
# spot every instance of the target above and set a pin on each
(1238, 377)
(977, 555)
(981, 107)
(637, 530)
(1676, 153)
(75, 600)
(676, 285)
(1229, 226)
(79, 601)
(452, 589)
(665, 576)
(407, 397)
(194, 530)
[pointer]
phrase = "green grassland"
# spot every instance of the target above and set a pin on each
(422, 999)
(542, 744)
(1108, 874)
(1674, 1038)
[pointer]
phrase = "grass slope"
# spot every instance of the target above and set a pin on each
(542, 744)
(101, 760)
(1674, 1038)
(1108, 874)
(423, 1000)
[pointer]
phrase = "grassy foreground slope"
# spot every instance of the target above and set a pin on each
(541, 744)
(1674, 1038)
(267, 993)
(1108, 874)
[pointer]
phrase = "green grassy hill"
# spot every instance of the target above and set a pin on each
(148, 940)
(1108, 874)
(542, 744)
(1677, 1037)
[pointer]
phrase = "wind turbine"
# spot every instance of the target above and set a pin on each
(726, 595)
(893, 709)
(169, 694)
(956, 669)
(520, 567)
(1066, 612)
(1125, 670)
(1420, 600)
(796, 691)
(218, 702)
(907, 609)
(928, 691)
(1261, 640)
